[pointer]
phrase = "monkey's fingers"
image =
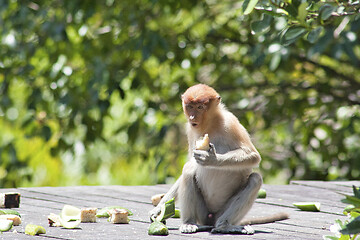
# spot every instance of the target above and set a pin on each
(212, 148)
(200, 156)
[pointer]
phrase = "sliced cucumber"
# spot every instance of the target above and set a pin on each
(32, 229)
(262, 193)
(70, 224)
(177, 213)
(308, 206)
(70, 213)
(5, 225)
(157, 228)
(9, 211)
(167, 211)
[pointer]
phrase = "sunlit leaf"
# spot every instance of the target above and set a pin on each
(314, 34)
(249, 5)
(352, 227)
(325, 11)
(261, 26)
(356, 191)
(292, 34)
(302, 12)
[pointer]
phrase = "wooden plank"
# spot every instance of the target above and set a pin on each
(37, 203)
(337, 186)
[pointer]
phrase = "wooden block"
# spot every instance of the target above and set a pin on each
(9, 200)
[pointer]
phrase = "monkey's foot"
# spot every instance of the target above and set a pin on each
(188, 228)
(231, 229)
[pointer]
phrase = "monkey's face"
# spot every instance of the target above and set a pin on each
(195, 113)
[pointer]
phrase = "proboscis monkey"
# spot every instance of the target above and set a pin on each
(218, 186)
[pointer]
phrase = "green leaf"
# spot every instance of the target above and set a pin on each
(325, 11)
(352, 227)
(46, 133)
(248, 6)
(314, 34)
(356, 191)
(292, 34)
(262, 25)
(351, 200)
(330, 238)
(302, 12)
(355, 213)
(275, 61)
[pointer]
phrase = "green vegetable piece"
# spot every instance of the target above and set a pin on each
(308, 206)
(9, 212)
(158, 228)
(70, 213)
(103, 212)
(32, 229)
(5, 225)
(70, 224)
(177, 213)
(262, 193)
(167, 211)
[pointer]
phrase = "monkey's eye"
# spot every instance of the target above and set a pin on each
(190, 106)
(200, 107)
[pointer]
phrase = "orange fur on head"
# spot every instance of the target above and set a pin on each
(199, 93)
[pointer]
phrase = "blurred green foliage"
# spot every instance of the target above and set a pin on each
(89, 90)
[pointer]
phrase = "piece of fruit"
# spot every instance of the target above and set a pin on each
(70, 224)
(177, 213)
(103, 212)
(9, 211)
(157, 198)
(15, 218)
(5, 225)
(167, 211)
(203, 144)
(69, 213)
(157, 228)
(88, 215)
(32, 229)
(261, 193)
(54, 220)
(308, 206)
(70, 217)
(118, 216)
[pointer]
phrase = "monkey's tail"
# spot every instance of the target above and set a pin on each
(266, 219)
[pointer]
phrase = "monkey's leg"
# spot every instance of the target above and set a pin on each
(236, 208)
(192, 205)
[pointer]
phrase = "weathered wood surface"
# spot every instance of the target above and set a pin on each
(37, 203)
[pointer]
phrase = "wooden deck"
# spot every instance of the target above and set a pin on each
(37, 203)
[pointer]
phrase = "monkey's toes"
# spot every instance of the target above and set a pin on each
(233, 230)
(188, 228)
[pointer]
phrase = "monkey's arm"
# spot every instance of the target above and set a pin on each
(243, 156)
(172, 193)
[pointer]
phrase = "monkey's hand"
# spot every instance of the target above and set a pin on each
(206, 158)
(155, 212)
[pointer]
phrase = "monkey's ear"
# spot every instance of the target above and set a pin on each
(218, 99)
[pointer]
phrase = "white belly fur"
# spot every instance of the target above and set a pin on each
(218, 185)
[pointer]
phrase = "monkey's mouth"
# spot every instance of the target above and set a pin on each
(194, 124)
